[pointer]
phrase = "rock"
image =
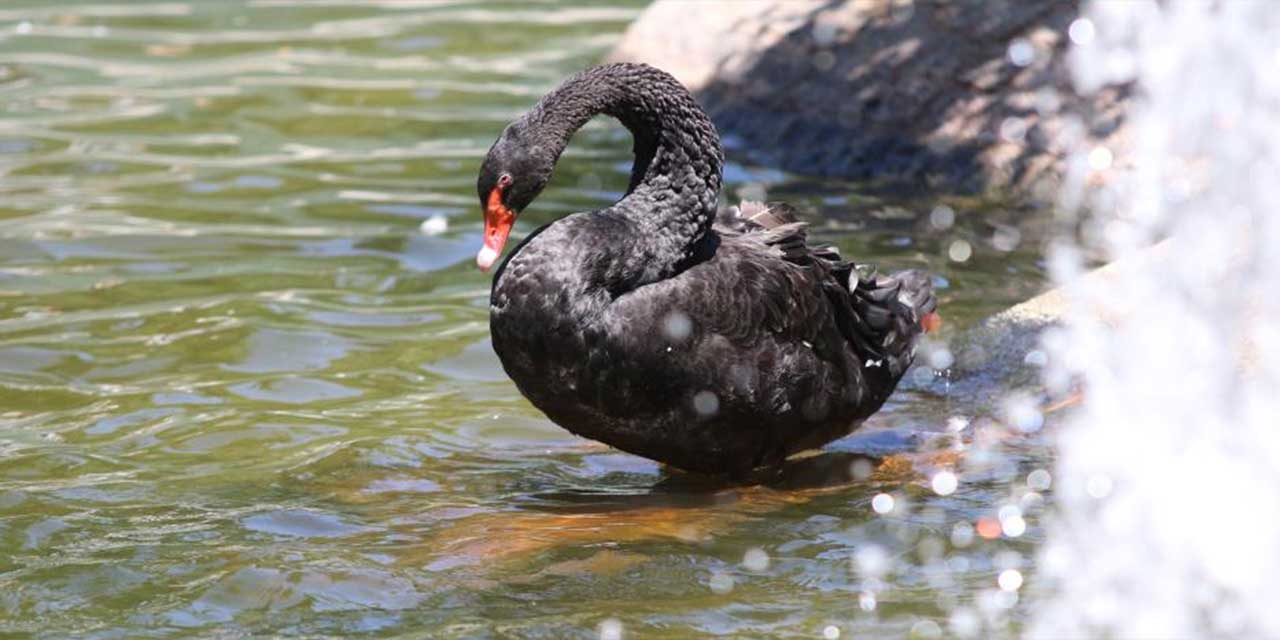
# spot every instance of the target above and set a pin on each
(964, 96)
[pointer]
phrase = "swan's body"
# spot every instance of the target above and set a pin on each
(712, 347)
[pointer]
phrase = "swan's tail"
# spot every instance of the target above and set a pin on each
(916, 293)
(891, 312)
(882, 315)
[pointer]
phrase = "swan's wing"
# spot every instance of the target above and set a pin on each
(766, 288)
(778, 225)
(750, 216)
(747, 325)
(881, 315)
(769, 337)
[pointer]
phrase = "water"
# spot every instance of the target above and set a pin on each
(245, 383)
(1168, 475)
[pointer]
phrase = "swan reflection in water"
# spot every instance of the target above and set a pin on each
(684, 506)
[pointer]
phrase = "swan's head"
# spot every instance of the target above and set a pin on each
(514, 172)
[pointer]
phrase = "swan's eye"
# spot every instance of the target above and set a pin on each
(504, 180)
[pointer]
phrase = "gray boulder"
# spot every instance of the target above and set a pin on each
(968, 96)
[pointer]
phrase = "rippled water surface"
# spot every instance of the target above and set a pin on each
(245, 378)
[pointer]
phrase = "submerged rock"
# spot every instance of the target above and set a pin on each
(969, 96)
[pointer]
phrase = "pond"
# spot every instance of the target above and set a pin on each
(245, 379)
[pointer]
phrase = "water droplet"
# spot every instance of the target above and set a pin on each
(831, 632)
(677, 326)
(1030, 501)
(959, 251)
(988, 528)
(1014, 526)
(1036, 358)
(926, 630)
(882, 503)
(611, 629)
(1022, 52)
(434, 226)
(964, 622)
(961, 535)
(1013, 130)
(824, 32)
(861, 469)
(942, 217)
(944, 483)
(867, 601)
(1100, 158)
(1010, 580)
(871, 560)
(1081, 32)
(1006, 238)
(1040, 480)
(941, 358)
(1021, 413)
(706, 403)
(755, 559)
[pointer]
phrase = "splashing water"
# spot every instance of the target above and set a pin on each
(1168, 475)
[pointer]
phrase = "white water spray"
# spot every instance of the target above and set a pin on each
(1169, 477)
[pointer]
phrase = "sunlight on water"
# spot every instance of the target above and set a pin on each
(1168, 476)
(246, 385)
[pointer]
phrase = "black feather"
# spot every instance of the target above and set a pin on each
(712, 343)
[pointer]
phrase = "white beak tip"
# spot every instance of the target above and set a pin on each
(486, 258)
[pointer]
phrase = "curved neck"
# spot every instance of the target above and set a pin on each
(675, 182)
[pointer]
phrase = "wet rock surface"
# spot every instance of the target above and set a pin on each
(968, 96)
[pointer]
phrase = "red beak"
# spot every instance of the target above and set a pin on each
(497, 226)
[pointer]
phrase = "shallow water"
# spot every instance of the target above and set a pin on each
(244, 388)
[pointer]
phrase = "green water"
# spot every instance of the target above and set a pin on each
(243, 393)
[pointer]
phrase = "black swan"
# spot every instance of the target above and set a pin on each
(715, 344)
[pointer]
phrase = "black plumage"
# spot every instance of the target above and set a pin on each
(714, 344)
